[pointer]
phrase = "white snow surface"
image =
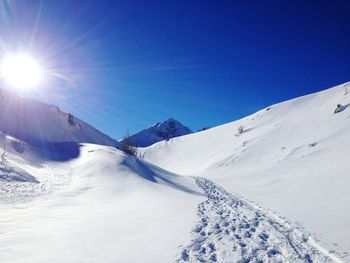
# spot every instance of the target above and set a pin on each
(67, 194)
(160, 131)
(292, 157)
(103, 206)
(63, 199)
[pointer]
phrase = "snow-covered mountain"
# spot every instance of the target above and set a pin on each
(160, 131)
(46, 126)
(101, 205)
(66, 195)
(292, 157)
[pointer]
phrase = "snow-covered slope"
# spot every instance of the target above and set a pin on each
(41, 124)
(160, 131)
(63, 200)
(292, 157)
(102, 206)
(105, 206)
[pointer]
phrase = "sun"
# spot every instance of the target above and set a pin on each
(21, 71)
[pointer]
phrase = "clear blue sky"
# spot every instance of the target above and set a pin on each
(128, 64)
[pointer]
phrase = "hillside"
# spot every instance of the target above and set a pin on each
(103, 206)
(98, 207)
(291, 157)
(160, 131)
(46, 126)
(65, 191)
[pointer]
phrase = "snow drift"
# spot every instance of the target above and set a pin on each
(102, 206)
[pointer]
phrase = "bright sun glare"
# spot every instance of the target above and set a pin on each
(21, 71)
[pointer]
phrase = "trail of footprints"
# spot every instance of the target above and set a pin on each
(230, 229)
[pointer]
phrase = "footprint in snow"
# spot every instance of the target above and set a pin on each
(237, 231)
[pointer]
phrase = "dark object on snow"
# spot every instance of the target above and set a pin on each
(70, 119)
(337, 109)
(340, 107)
(240, 129)
(312, 144)
(204, 128)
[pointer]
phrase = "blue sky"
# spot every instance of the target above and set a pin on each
(127, 64)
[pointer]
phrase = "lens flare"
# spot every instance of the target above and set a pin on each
(21, 71)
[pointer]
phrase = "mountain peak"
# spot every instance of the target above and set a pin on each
(160, 131)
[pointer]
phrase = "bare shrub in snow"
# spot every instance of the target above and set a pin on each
(240, 130)
(129, 147)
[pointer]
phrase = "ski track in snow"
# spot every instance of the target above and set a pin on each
(231, 229)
